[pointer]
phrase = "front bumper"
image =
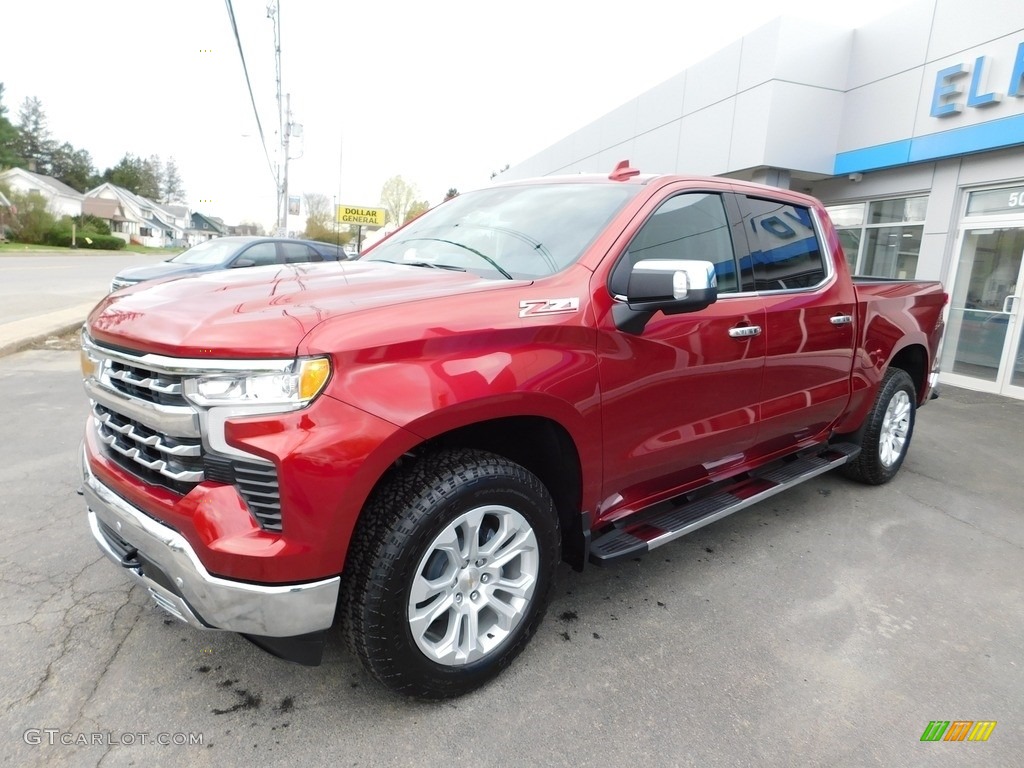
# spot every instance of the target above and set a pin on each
(165, 563)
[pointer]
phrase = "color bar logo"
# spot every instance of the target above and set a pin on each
(958, 730)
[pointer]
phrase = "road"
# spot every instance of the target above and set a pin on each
(825, 627)
(39, 283)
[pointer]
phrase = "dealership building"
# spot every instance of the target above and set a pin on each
(910, 129)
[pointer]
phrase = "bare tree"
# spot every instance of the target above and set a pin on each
(397, 197)
(319, 217)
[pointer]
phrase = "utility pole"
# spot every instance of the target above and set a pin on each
(284, 144)
(286, 128)
(274, 14)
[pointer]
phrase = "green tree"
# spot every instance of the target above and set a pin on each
(136, 175)
(173, 187)
(452, 192)
(73, 166)
(87, 223)
(35, 147)
(8, 137)
(396, 197)
(34, 219)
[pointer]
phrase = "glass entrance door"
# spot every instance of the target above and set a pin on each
(983, 347)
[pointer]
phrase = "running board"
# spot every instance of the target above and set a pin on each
(671, 519)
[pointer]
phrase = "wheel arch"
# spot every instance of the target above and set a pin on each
(538, 443)
(913, 358)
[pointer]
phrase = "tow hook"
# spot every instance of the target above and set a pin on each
(131, 560)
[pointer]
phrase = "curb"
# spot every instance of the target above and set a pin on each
(13, 347)
(19, 335)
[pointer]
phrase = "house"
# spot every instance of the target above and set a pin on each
(143, 221)
(61, 199)
(110, 211)
(206, 228)
(246, 230)
(181, 217)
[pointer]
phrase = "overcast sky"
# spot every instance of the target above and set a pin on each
(441, 93)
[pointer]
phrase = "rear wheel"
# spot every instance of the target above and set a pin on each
(450, 572)
(887, 432)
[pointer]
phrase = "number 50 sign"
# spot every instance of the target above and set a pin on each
(995, 201)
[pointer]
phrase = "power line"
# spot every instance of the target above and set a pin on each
(245, 69)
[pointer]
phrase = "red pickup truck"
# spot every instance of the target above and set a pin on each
(577, 368)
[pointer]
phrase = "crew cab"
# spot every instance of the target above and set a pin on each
(405, 445)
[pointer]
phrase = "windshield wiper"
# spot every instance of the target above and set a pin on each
(486, 258)
(428, 264)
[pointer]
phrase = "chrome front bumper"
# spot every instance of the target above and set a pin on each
(167, 566)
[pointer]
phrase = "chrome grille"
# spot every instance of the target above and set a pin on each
(148, 428)
(161, 388)
(173, 462)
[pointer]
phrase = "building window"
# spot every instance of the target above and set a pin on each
(882, 238)
(145, 232)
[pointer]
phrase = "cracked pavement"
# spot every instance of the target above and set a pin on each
(826, 626)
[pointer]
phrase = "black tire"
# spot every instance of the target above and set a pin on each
(884, 442)
(404, 541)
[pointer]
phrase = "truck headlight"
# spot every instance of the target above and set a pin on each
(88, 362)
(295, 383)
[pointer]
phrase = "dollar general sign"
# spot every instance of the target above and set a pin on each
(354, 214)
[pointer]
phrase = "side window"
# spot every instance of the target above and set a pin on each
(784, 248)
(295, 253)
(260, 254)
(689, 226)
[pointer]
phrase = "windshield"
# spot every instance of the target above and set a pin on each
(508, 232)
(211, 252)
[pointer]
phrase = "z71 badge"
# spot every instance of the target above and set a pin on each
(534, 307)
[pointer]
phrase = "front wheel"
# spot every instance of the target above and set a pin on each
(449, 572)
(887, 432)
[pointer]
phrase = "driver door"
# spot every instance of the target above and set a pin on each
(681, 399)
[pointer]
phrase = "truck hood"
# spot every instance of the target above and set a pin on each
(263, 312)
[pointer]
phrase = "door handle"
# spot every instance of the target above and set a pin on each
(745, 331)
(841, 320)
(1008, 303)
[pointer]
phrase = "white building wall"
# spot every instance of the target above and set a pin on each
(730, 111)
(846, 115)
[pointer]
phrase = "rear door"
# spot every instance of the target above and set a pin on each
(298, 253)
(810, 322)
(680, 399)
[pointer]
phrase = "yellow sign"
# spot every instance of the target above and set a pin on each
(354, 214)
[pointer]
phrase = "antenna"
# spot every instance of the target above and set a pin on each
(623, 171)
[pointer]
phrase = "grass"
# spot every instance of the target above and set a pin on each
(25, 248)
(130, 248)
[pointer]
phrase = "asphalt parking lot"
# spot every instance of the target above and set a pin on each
(826, 627)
